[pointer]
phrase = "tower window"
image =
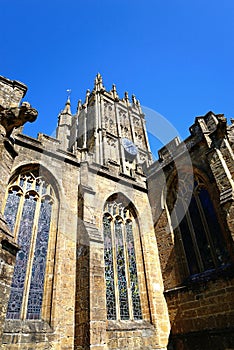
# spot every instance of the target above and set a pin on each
(122, 286)
(28, 213)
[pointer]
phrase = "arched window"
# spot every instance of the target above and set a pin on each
(28, 211)
(202, 238)
(122, 283)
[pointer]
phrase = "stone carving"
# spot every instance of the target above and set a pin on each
(211, 123)
(110, 124)
(15, 117)
(124, 124)
(111, 142)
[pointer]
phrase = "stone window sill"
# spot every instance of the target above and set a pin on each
(27, 326)
(128, 325)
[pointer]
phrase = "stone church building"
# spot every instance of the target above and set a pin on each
(100, 247)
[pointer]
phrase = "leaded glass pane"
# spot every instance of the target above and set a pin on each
(122, 282)
(22, 181)
(109, 270)
(39, 262)
(38, 186)
(44, 188)
(11, 209)
(24, 240)
(136, 303)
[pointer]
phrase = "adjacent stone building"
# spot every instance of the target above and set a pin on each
(102, 248)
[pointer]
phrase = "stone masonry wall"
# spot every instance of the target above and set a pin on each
(206, 308)
(152, 332)
(11, 92)
(56, 329)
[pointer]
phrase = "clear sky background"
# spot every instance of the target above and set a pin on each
(176, 56)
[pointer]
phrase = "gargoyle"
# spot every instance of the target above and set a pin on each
(15, 117)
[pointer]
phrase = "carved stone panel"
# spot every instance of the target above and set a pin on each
(109, 118)
(138, 130)
(124, 124)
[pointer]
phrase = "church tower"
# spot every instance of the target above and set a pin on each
(111, 130)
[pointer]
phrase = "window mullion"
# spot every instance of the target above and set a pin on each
(115, 269)
(127, 273)
(30, 260)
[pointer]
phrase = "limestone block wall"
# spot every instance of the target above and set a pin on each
(11, 92)
(56, 328)
(202, 315)
(201, 310)
(97, 185)
(8, 248)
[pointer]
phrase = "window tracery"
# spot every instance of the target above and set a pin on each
(28, 211)
(122, 285)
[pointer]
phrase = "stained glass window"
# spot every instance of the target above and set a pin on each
(122, 287)
(28, 213)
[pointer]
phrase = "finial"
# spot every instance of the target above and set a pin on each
(134, 101)
(98, 83)
(99, 77)
(114, 92)
(87, 97)
(79, 106)
(139, 106)
(67, 108)
(126, 98)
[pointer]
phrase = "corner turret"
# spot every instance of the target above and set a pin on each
(64, 125)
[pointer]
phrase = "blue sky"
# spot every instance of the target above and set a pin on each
(176, 56)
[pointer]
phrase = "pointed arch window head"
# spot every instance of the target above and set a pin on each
(28, 211)
(122, 285)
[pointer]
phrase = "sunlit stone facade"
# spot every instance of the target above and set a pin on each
(102, 248)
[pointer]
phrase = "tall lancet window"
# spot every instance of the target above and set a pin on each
(28, 211)
(123, 299)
